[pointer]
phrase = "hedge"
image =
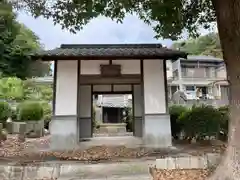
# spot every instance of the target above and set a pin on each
(30, 111)
(5, 111)
(175, 112)
(199, 121)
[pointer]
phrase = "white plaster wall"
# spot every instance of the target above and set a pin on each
(122, 88)
(66, 88)
(92, 67)
(85, 101)
(154, 91)
(129, 66)
(102, 88)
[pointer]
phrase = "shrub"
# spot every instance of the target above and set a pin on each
(14, 114)
(94, 120)
(5, 112)
(47, 114)
(128, 119)
(224, 111)
(201, 121)
(175, 112)
(30, 111)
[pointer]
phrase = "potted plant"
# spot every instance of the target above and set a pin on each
(32, 114)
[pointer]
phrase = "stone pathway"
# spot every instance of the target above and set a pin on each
(130, 177)
(123, 170)
(129, 170)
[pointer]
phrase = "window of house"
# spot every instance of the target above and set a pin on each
(190, 88)
(190, 72)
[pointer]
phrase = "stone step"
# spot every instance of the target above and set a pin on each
(112, 134)
(189, 162)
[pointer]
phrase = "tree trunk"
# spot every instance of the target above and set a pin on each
(228, 19)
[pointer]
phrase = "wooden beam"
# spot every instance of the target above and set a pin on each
(98, 79)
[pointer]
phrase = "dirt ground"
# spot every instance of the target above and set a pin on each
(12, 149)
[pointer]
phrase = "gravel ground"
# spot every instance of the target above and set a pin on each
(193, 174)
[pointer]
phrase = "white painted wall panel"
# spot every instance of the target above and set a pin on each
(66, 88)
(102, 88)
(85, 101)
(92, 66)
(122, 88)
(154, 91)
(129, 66)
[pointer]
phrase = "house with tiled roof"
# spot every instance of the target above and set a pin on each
(198, 72)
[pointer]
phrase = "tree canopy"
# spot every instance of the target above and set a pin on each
(204, 45)
(15, 89)
(168, 18)
(16, 44)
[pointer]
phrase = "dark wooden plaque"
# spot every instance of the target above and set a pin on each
(110, 70)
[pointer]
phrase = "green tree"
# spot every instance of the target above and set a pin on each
(203, 45)
(16, 44)
(11, 89)
(169, 19)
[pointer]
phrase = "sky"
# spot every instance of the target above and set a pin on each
(99, 31)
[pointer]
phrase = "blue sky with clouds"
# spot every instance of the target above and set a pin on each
(99, 30)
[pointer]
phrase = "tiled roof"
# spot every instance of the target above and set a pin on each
(121, 51)
(202, 58)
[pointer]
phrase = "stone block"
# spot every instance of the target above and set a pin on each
(183, 162)
(49, 172)
(188, 162)
(213, 159)
(13, 172)
(18, 127)
(171, 163)
(34, 129)
(202, 162)
(9, 127)
(161, 163)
